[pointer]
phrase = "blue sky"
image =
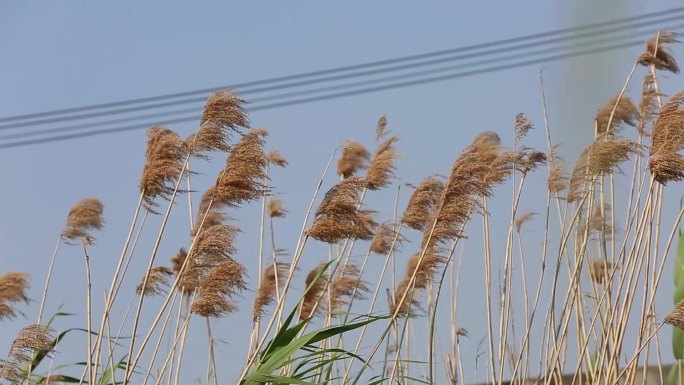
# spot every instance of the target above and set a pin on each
(67, 54)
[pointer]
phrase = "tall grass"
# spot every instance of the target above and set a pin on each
(581, 304)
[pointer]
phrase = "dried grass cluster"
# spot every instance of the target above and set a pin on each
(382, 166)
(386, 238)
(558, 179)
(276, 158)
(164, 163)
(423, 266)
(659, 55)
(276, 208)
(354, 158)
(648, 105)
(345, 286)
(625, 113)
(84, 216)
(666, 161)
(218, 288)
(272, 279)
(13, 288)
(339, 217)
(315, 283)
(213, 246)
(31, 338)
(422, 203)
(599, 271)
(380, 128)
(157, 281)
(223, 115)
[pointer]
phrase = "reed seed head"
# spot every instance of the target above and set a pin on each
(523, 218)
(676, 316)
(31, 338)
(276, 208)
(599, 270)
(625, 113)
(275, 157)
(380, 128)
(157, 282)
(314, 289)
(273, 278)
(164, 163)
(385, 235)
(383, 164)
(225, 110)
(13, 289)
(422, 203)
(354, 158)
(665, 159)
(557, 180)
(345, 286)
(84, 216)
(217, 289)
(522, 126)
(658, 54)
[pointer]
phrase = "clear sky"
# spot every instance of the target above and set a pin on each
(71, 53)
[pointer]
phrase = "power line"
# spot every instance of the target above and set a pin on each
(335, 95)
(670, 15)
(364, 83)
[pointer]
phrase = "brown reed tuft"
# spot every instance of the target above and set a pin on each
(345, 286)
(382, 166)
(157, 282)
(210, 218)
(522, 126)
(13, 288)
(676, 316)
(209, 137)
(523, 218)
(665, 159)
(225, 110)
(314, 291)
(424, 269)
(599, 271)
(84, 216)
(275, 157)
(528, 159)
(178, 260)
(601, 157)
(557, 180)
(276, 208)
(659, 55)
(422, 203)
(354, 158)
(339, 217)
(625, 113)
(31, 338)
(267, 289)
(213, 245)
(380, 128)
(243, 179)
(385, 234)
(224, 280)
(164, 163)
(648, 105)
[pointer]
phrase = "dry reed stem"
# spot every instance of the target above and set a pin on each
(382, 166)
(625, 113)
(354, 158)
(339, 217)
(659, 55)
(346, 286)
(270, 285)
(665, 159)
(157, 282)
(601, 157)
(13, 288)
(223, 281)
(243, 179)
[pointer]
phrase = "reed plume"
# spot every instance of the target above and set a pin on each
(13, 288)
(339, 217)
(422, 203)
(354, 158)
(380, 128)
(267, 289)
(625, 113)
(522, 219)
(385, 234)
(648, 106)
(599, 271)
(178, 260)
(382, 166)
(522, 126)
(84, 216)
(276, 208)
(676, 316)
(558, 179)
(345, 286)
(601, 157)
(243, 178)
(225, 110)
(213, 245)
(314, 291)
(217, 289)
(31, 338)
(658, 54)
(164, 163)
(424, 270)
(665, 159)
(157, 282)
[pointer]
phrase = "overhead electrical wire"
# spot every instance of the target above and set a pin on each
(589, 30)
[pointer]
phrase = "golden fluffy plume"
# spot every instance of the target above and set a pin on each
(676, 316)
(13, 288)
(558, 180)
(157, 282)
(665, 160)
(625, 113)
(382, 166)
(178, 260)
(213, 245)
(424, 269)
(31, 339)
(272, 278)
(354, 158)
(659, 55)
(275, 157)
(648, 105)
(385, 234)
(522, 219)
(522, 126)
(85, 216)
(423, 202)
(314, 291)
(345, 286)
(601, 157)
(243, 178)
(164, 163)
(216, 292)
(276, 208)
(338, 217)
(226, 111)
(380, 128)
